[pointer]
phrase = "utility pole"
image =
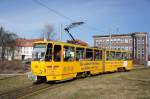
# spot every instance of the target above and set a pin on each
(109, 40)
(117, 30)
(133, 45)
(61, 32)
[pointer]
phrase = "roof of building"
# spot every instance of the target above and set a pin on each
(114, 35)
(22, 42)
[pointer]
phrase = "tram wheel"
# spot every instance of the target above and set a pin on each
(39, 80)
(84, 74)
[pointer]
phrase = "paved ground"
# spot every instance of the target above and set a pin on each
(124, 85)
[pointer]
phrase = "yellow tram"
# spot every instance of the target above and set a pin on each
(54, 61)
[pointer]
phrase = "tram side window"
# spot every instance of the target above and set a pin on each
(107, 55)
(118, 56)
(79, 54)
(96, 55)
(124, 56)
(57, 53)
(48, 56)
(101, 54)
(110, 55)
(68, 53)
(89, 54)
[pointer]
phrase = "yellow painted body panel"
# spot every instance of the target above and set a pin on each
(94, 67)
(64, 70)
(115, 64)
(130, 65)
(111, 65)
(38, 68)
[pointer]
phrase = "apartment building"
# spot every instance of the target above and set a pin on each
(136, 42)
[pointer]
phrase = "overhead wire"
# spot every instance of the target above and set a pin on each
(60, 14)
(51, 10)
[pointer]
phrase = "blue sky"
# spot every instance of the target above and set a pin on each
(27, 19)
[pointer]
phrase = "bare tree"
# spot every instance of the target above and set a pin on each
(11, 43)
(2, 42)
(7, 42)
(48, 32)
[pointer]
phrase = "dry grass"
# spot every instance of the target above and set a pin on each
(128, 85)
(125, 85)
(15, 66)
(13, 83)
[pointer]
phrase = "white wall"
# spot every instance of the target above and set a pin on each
(26, 51)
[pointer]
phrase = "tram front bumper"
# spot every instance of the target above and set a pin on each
(32, 77)
(53, 78)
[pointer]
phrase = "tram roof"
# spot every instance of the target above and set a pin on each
(65, 43)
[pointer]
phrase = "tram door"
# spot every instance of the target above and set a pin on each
(68, 65)
(110, 61)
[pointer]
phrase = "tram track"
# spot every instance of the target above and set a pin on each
(8, 76)
(30, 90)
(4, 78)
(13, 94)
(49, 87)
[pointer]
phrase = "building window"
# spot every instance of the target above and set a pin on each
(138, 56)
(143, 56)
(122, 40)
(130, 40)
(126, 40)
(118, 40)
(126, 48)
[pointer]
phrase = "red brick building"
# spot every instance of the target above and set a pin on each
(136, 42)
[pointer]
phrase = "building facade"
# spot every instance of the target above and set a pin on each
(136, 42)
(24, 48)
